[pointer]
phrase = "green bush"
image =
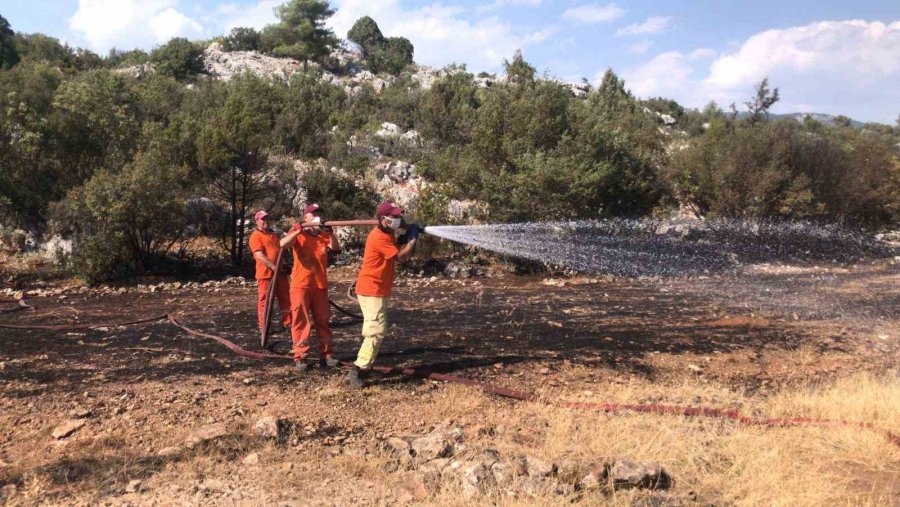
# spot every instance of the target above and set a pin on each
(124, 221)
(8, 54)
(242, 39)
(179, 58)
(389, 55)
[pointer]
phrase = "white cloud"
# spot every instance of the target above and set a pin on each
(837, 67)
(665, 75)
(701, 54)
(126, 24)
(171, 23)
(499, 4)
(653, 24)
(641, 47)
(256, 16)
(441, 34)
(593, 13)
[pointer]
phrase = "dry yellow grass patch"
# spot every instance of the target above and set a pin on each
(719, 460)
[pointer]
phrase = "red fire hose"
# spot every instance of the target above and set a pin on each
(652, 408)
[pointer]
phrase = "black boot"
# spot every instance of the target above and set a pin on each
(356, 377)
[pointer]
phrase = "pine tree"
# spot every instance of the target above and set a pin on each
(301, 32)
(8, 54)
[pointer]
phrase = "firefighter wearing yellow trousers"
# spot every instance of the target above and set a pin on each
(375, 281)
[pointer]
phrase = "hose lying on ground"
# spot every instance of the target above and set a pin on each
(612, 408)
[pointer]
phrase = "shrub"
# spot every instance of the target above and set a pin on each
(124, 221)
(179, 58)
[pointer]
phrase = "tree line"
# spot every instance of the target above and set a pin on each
(134, 168)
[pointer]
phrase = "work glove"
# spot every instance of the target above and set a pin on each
(412, 231)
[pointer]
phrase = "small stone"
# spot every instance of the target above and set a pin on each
(596, 476)
(8, 491)
(133, 486)
(431, 446)
(205, 434)
(267, 427)
(413, 488)
(537, 467)
(694, 368)
(545, 371)
(247, 381)
(630, 474)
(81, 413)
(396, 446)
(251, 459)
(168, 452)
(502, 473)
(477, 478)
(67, 428)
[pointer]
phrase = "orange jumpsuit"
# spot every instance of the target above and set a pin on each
(309, 293)
(267, 242)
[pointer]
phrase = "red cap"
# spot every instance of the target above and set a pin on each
(260, 215)
(389, 209)
(312, 207)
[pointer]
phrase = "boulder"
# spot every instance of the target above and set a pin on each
(67, 428)
(432, 446)
(388, 131)
(226, 65)
(396, 446)
(630, 474)
(537, 467)
(205, 434)
(268, 427)
(477, 480)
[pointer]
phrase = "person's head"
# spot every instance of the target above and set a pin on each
(263, 220)
(312, 212)
(389, 216)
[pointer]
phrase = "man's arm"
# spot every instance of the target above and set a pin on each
(290, 237)
(261, 257)
(334, 245)
(407, 250)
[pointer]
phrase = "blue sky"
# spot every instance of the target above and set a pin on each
(829, 57)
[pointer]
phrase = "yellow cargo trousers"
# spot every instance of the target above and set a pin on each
(374, 328)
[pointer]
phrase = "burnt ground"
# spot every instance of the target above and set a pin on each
(148, 386)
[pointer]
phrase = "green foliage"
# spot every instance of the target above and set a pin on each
(535, 152)
(447, 111)
(242, 39)
(389, 55)
(301, 32)
(124, 221)
(41, 48)
(759, 170)
(366, 33)
(302, 126)
(117, 58)
(759, 105)
(179, 58)
(234, 145)
(338, 195)
(95, 124)
(8, 54)
(393, 56)
(518, 69)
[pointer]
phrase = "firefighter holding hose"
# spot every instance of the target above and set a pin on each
(309, 286)
(375, 281)
(264, 245)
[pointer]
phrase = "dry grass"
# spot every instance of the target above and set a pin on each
(720, 461)
(723, 463)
